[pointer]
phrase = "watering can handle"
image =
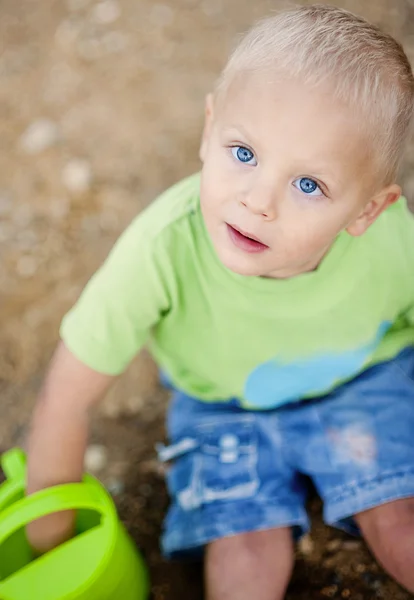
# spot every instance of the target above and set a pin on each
(69, 496)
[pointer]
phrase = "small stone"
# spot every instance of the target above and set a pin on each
(135, 403)
(360, 568)
(351, 546)
(329, 591)
(26, 266)
(106, 12)
(154, 467)
(329, 563)
(333, 545)
(111, 410)
(115, 487)
(306, 545)
(39, 136)
(77, 176)
(96, 458)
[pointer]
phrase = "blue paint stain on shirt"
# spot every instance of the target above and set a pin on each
(274, 383)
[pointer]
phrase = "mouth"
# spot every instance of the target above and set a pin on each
(245, 241)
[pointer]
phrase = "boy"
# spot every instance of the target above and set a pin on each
(276, 291)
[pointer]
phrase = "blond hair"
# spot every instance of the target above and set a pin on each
(365, 67)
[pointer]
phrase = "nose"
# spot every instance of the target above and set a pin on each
(260, 201)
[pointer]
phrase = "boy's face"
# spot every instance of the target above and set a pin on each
(285, 170)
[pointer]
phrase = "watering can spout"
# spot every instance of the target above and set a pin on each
(13, 464)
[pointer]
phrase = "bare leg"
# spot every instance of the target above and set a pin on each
(389, 532)
(250, 565)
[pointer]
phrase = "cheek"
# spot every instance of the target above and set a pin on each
(327, 221)
(309, 237)
(208, 198)
(211, 207)
(323, 235)
(214, 192)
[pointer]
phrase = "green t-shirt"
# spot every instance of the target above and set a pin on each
(219, 335)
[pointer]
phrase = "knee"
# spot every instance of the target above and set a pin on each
(256, 546)
(256, 542)
(249, 564)
(270, 540)
(382, 523)
(389, 532)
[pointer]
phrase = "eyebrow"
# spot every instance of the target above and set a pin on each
(240, 130)
(325, 175)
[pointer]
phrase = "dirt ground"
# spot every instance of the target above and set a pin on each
(100, 109)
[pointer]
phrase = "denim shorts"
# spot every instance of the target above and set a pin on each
(233, 470)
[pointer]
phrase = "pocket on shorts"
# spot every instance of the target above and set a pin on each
(220, 465)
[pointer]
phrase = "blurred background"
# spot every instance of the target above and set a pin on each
(101, 108)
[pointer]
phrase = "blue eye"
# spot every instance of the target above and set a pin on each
(308, 186)
(243, 155)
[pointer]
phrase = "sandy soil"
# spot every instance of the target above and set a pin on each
(100, 109)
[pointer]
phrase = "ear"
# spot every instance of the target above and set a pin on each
(208, 122)
(374, 208)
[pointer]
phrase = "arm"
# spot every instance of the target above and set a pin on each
(106, 328)
(58, 437)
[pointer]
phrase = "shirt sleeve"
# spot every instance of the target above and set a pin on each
(121, 303)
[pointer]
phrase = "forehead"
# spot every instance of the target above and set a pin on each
(305, 125)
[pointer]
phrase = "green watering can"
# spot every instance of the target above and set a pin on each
(99, 563)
